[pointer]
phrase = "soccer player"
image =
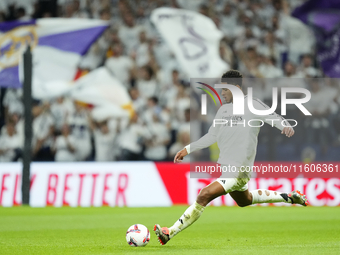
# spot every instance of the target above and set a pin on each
(237, 142)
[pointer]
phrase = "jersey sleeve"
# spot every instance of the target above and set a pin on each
(273, 119)
(206, 140)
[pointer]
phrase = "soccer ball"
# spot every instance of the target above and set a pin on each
(137, 235)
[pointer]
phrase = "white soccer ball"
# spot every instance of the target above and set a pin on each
(137, 235)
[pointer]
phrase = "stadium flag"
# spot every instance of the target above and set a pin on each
(323, 16)
(194, 39)
(58, 45)
(100, 89)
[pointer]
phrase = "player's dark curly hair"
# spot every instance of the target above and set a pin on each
(232, 77)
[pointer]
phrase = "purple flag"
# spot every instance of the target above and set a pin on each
(323, 17)
(57, 45)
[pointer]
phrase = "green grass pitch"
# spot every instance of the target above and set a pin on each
(220, 230)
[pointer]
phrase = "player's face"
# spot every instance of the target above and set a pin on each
(227, 95)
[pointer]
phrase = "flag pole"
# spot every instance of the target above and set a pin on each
(27, 89)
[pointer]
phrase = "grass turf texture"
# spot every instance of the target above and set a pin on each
(220, 230)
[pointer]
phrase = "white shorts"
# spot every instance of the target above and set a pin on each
(234, 180)
(232, 184)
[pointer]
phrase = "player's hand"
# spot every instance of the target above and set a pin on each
(288, 131)
(180, 155)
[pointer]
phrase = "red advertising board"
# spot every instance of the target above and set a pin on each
(139, 184)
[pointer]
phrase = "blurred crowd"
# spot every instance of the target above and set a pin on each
(261, 40)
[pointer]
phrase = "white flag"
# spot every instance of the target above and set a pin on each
(101, 89)
(98, 88)
(194, 38)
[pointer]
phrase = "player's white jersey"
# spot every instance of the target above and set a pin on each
(236, 139)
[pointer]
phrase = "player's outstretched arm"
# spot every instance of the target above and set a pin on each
(180, 155)
(288, 131)
(204, 142)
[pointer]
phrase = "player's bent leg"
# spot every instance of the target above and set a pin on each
(268, 196)
(192, 214)
(242, 198)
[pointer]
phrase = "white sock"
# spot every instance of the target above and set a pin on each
(190, 216)
(269, 196)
